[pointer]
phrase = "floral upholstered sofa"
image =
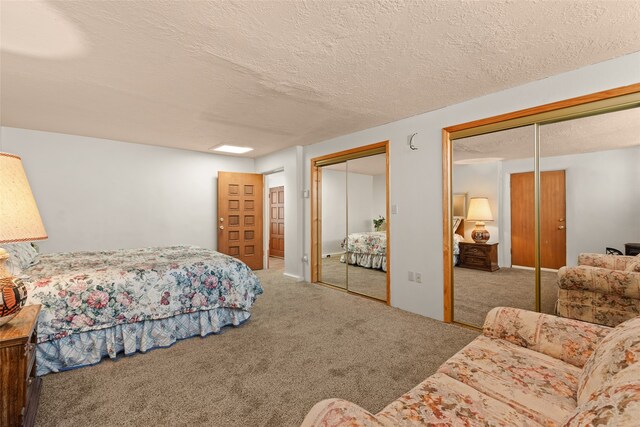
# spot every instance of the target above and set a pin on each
(526, 369)
(603, 289)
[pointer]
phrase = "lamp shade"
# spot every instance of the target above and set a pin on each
(19, 217)
(479, 209)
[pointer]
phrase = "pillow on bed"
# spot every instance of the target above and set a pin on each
(21, 255)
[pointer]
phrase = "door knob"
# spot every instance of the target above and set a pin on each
(221, 219)
(222, 227)
(561, 220)
(561, 227)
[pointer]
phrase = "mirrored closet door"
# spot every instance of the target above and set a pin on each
(333, 212)
(350, 203)
(366, 251)
(493, 223)
(535, 203)
(592, 206)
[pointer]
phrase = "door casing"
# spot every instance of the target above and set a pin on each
(276, 222)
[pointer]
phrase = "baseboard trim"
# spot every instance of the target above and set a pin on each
(293, 276)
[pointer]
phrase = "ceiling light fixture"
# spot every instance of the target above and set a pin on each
(231, 149)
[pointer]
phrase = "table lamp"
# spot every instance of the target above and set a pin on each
(19, 222)
(479, 211)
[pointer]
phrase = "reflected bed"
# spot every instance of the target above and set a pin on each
(368, 249)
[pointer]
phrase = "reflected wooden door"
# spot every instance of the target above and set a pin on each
(553, 237)
(276, 222)
(553, 226)
(239, 222)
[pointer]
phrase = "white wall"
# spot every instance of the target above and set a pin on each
(602, 199)
(416, 176)
(290, 161)
(379, 207)
(360, 196)
(274, 180)
(480, 180)
(345, 197)
(334, 210)
(102, 194)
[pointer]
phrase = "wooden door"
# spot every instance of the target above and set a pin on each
(276, 222)
(553, 227)
(239, 222)
(553, 238)
(522, 219)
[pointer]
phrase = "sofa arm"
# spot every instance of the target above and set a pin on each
(602, 280)
(338, 412)
(569, 340)
(612, 262)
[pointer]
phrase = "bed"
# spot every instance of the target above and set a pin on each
(99, 304)
(368, 250)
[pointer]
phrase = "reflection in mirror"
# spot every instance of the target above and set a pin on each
(333, 214)
(493, 235)
(367, 237)
(589, 205)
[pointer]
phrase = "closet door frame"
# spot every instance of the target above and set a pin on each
(316, 205)
(596, 103)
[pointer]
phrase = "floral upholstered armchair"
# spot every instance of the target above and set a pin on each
(602, 289)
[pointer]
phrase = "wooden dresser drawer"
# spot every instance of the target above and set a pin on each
(479, 256)
(474, 251)
(475, 261)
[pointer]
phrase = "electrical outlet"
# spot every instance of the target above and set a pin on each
(418, 277)
(411, 276)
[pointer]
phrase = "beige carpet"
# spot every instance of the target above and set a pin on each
(304, 343)
(367, 281)
(476, 292)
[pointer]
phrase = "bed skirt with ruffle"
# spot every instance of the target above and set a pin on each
(378, 262)
(88, 348)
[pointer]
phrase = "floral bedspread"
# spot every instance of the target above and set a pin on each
(372, 242)
(87, 291)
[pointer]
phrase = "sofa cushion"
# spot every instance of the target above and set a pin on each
(617, 351)
(441, 401)
(612, 262)
(568, 340)
(617, 403)
(538, 386)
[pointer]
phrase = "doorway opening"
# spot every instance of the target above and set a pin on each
(274, 193)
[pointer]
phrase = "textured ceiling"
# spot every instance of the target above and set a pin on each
(271, 74)
(620, 129)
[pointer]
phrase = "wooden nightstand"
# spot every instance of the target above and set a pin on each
(19, 386)
(479, 256)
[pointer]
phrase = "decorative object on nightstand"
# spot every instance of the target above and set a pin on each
(479, 211)
(379, 224)
(479, 256)
(19, 222)
(19, 386)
